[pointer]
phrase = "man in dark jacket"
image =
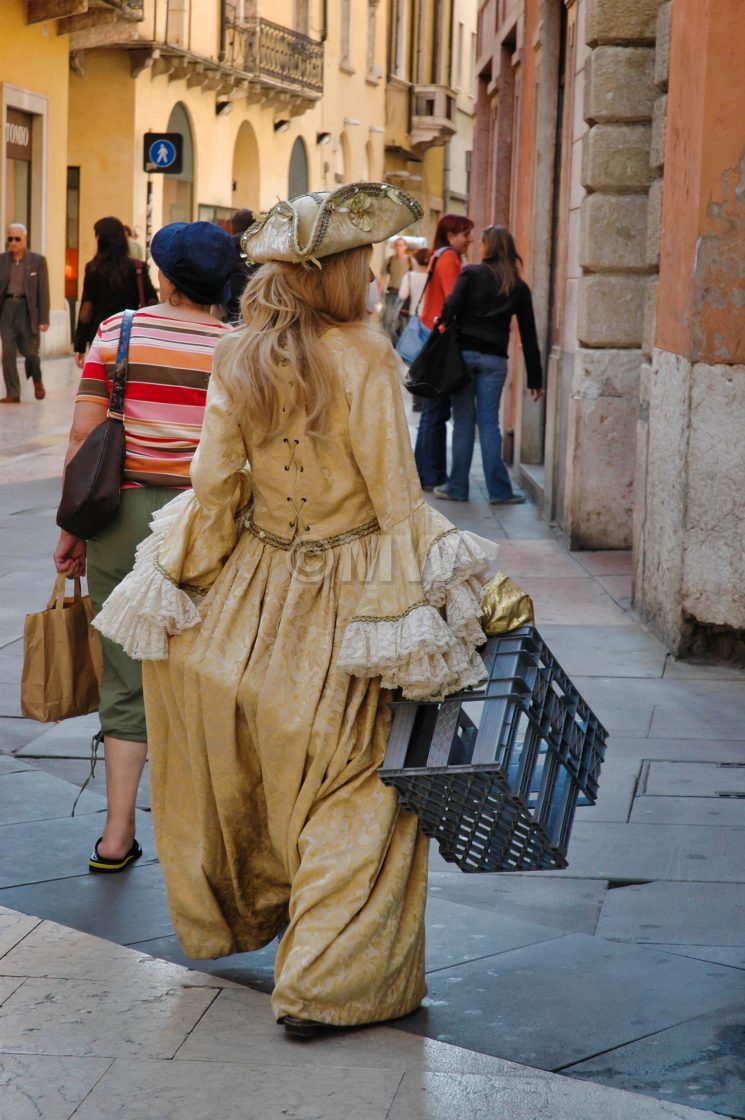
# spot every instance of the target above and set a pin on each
(24, 312)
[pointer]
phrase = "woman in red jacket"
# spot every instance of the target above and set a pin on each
(452, 239)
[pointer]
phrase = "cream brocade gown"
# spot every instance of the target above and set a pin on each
(329, 581)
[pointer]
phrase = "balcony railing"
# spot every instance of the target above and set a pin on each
(433, 113)
(274, 55)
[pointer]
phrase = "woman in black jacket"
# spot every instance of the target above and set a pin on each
(113, 282)
(482, 303)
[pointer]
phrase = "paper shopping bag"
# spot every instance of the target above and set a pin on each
(62, 659)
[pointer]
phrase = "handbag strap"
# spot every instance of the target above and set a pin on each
(116, 407)
(139, 266)
(430, 274)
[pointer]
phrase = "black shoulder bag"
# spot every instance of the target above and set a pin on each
(438, 368)
(93, 479)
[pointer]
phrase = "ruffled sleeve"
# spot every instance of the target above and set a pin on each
(190, 539)
(417, 625)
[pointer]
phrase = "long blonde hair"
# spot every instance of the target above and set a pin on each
(285, 309)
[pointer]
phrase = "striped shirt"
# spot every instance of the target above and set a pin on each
(170, 361)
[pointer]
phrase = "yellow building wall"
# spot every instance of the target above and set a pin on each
(35, 59)
(101, 143)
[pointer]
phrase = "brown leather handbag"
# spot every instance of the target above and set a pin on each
(93, 479)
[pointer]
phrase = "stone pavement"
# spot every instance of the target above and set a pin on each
(549, 992)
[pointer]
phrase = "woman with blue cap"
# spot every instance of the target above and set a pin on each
(276, 608)
(170, 359)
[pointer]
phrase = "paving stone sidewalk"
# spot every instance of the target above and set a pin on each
(626, 971)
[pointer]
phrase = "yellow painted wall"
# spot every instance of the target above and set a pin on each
(35, 59)
(101, 143)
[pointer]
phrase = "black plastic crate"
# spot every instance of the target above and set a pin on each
(495, 774)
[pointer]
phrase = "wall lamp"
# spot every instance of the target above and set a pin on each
(222, 108)
(323, 138)
(375, 128)
(351, 121)
(281, 125)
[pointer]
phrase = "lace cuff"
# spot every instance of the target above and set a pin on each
(429, 649)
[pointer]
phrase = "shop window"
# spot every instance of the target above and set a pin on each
(72, 234)
(18, 178)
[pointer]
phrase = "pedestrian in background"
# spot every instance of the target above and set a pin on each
(395, 267)
(113, 282)
(135, 249)
(24, 301)
(170, 360)
(485, 298)
(410, 296)
(242, 272)
(412, 285)
(452, 240)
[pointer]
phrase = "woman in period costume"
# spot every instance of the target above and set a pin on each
(276, 607)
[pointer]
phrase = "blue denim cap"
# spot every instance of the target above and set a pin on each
(198, 257)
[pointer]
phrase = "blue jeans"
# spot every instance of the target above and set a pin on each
(478, 404)
(430, 451)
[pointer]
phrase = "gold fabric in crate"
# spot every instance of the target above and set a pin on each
(504, 606)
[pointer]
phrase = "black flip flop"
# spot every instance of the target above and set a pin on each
(100, 863)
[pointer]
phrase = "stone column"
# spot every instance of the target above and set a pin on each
(619, 103)
(690, 559)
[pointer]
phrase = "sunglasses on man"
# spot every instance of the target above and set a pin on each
(14, 238)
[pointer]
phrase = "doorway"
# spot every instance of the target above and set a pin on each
(298, 181)
(178, 190)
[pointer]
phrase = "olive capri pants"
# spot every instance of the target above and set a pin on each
(111, 557)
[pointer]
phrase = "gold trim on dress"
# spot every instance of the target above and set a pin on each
(391, 617)
(321, 544)
(191, 588)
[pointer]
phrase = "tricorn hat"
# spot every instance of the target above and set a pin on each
(315, 225)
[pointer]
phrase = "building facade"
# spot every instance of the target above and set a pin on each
(430, 103)
(267, 106)
(270, 99)
(617, 160)
(33, 114)
(689, 522)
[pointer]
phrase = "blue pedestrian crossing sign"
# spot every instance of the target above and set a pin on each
(163, 152)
